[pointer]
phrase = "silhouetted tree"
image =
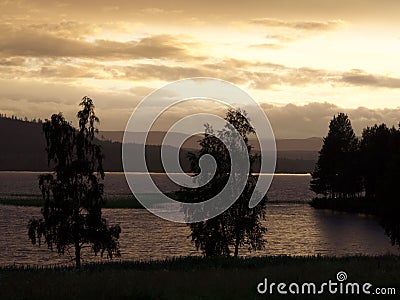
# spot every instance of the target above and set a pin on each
(337, 174)
(375, 156)
(72, 216)
(239, 225)
(387, 186)
(375, 164)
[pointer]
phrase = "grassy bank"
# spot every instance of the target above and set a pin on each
(195, 278)
(125, 201)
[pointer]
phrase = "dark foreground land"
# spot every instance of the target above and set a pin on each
(197, 278)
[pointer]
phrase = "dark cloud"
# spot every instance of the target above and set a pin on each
(26, 41)
(361, 78)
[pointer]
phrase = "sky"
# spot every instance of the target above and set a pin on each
(302, 61)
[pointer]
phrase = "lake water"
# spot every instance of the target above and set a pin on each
(293, 228)
(285, 187)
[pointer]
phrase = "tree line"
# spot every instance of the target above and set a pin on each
(361, 171)
(24, 119)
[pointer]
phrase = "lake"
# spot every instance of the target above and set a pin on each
(285, 187)
(293, 228)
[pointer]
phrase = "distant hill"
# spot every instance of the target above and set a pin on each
(153, 138)
(22, 148)
(312, 144)
(294, 155)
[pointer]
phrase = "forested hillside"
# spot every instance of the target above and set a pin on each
(22, 148)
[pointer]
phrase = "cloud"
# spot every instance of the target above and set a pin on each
(207, 10)
(36, 99)
(299, 25)
(274, 46)
(12, 61)
(361, 78)
(253, 74)
(302, 121)
(160, 72)
(277, 41)
(159, 11)
(283, 38)
(34, 42)
(256, 75)
(71, 29)
(286, 32)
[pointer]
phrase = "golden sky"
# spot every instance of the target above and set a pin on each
(303, 61)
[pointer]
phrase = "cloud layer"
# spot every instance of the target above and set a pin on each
(37, 42)
(299, 55)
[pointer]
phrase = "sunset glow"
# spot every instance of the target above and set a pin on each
(296, 58)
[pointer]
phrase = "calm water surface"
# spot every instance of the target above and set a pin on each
(284, 187)
(293, 229)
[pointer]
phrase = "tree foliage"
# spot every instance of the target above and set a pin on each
(337, 174)
(381, 148)
(73, 193)
(239, 226)
(375, 156)
(368, 169)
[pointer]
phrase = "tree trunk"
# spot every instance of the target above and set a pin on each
(226, 245)
(77, 256)
(236, 247)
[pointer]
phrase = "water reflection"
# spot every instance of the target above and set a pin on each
(284, 187)
(361, 233)
(293, 229)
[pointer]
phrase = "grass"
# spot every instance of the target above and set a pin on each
(195, 278)
(124, 201)
(22, 201)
